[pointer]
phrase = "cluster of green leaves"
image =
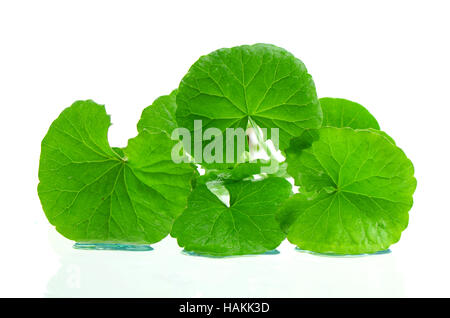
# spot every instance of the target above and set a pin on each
(355, 184)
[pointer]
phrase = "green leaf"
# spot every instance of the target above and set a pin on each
(262, 82)
(247, 226)
(160, 116)
(92, 193)
(338, 112)
(357, 191)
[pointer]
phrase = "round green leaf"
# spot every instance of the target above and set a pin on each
(247, 226)
(261, 82)
(339, 112)
(357, 190)
(93, 193)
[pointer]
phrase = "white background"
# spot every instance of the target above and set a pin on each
(390, 56)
